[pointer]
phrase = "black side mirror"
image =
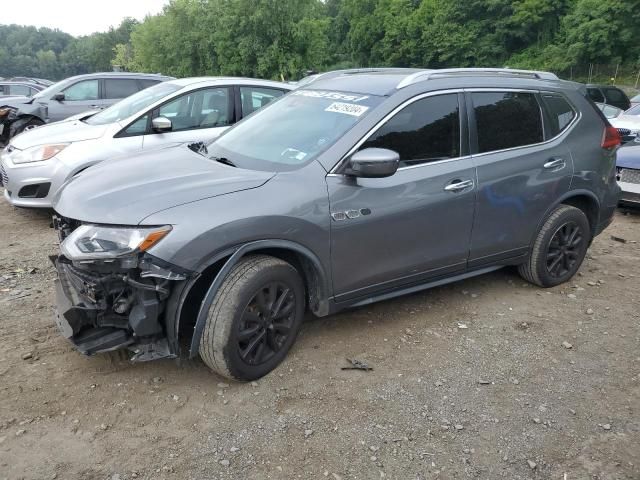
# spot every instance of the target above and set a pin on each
(58, 97)
(373, 163)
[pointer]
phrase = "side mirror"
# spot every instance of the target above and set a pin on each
(161, 125)
(373, 163)
(58, 97)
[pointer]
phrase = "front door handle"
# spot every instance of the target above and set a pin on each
(555, 164)
(458, 185)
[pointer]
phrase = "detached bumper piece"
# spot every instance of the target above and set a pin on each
(107, 308)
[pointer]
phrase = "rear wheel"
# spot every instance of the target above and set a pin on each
(254, 318)
(559, 248)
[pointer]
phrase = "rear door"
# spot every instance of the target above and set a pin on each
(252, 98)
(523, 167)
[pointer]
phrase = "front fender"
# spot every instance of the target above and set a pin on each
(234, 255)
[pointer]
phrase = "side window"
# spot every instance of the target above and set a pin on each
(254, 98)
(22, 90)
(138, 127)
(506, 120)
(4, 90)
(595, 94)
(559, 112)
(148, 83)
(85, 90)
(205, 108)
(425, 131)
(614, 95)
(119, 88)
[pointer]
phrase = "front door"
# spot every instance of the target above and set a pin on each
(78, 98)
(523, 167)
(391, 232)
(197, 116)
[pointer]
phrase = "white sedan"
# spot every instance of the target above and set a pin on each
(38, 162)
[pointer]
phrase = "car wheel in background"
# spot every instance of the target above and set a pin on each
(254, 318)
(559, 248)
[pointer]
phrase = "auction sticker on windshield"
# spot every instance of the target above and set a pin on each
(347, 108)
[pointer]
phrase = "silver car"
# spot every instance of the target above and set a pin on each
(37, 163)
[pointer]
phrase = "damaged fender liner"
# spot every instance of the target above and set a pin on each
(108, 308)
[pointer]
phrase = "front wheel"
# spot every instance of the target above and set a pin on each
(559, 248)
(30, 125)
(254, 318)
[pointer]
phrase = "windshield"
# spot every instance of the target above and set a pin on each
(133, 104)
(293, 130)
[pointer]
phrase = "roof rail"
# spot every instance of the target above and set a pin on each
(428, 74)
(355, 71)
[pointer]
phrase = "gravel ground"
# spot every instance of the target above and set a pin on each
(486, 378)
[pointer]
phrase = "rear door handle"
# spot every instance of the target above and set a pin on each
(555, 163)
(458, 185)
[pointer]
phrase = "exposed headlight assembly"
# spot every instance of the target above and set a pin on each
(38, 153)
(93, 242)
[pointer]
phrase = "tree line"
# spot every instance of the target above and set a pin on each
(284, 38)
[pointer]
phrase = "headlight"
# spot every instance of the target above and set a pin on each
(92, 242)
(38, 154)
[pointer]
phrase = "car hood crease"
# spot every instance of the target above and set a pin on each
(127, 190)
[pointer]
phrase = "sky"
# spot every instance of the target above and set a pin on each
(77, 17)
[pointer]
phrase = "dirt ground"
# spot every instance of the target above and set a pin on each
(487, 378)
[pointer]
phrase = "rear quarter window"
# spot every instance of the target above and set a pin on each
(560, 113)
(615, 95)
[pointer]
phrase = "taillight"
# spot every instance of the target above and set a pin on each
(610, 137)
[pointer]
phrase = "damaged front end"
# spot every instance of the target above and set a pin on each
(110, 293)
(8, 115)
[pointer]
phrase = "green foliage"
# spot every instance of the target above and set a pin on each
(284, 38)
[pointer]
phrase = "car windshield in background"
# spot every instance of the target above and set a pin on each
(293, 131)
(133, 104)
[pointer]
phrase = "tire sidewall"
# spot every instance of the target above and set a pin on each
(281, 273)
(573, 215)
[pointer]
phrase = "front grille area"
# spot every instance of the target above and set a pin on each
(629, 175)
(624, 132)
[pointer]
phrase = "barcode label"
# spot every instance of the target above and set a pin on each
(347, 108)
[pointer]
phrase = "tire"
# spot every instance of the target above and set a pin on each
(245, 303)
(559, 248)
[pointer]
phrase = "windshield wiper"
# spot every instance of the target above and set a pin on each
(224, 160)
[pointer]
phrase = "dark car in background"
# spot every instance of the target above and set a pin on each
(628, 167)
(608, 94)
(70, 97)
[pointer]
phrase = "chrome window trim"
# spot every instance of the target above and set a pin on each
(563, 133)
(386, 118)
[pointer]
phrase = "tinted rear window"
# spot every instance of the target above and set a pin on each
(506, 120)
(560, 113)
(615, 95)
(120, 88)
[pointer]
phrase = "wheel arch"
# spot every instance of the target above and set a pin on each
(187, 310)
(584, 200)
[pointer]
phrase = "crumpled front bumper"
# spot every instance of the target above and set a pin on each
(110, 310)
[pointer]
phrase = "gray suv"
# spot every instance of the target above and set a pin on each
(357, 187)
(69, 97)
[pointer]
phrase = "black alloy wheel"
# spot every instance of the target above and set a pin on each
(266, 323)
(564, 249)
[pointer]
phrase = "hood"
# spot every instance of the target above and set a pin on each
(14, 101)
(628, 157)
(127, 190)
(58, 132)
(631, 122)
